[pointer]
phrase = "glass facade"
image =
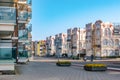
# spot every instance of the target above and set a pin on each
(22, 52)
(7, 53)
(30, 15)
(116, 28)
(23, 34)
(29, 27)
(7, 15)
(23, 15)
(29, 2)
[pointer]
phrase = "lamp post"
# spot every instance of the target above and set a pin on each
(79, 43)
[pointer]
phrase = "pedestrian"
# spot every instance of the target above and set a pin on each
(92, 57)
(85, 58)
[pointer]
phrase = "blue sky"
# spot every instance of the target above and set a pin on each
(50, 17)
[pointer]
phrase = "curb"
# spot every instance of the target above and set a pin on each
(114, 69)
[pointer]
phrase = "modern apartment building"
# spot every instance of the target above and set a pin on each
(101, 39)
(36, 48)
(33, 48)
(61, 45)
(82, 42)
(50, 46)
(89, 38)
(7, 28)
(24, 29)
(14, 17)
(69, 42)
(76, 43)
(42, 47)
(116, 37)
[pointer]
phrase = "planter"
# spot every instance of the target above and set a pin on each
(95, 67)
(62, 63)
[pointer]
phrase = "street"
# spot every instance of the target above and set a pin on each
(36, 70)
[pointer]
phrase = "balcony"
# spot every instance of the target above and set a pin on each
(23, 35)
(29, 27)
(68, 40)
(29, 16)
(49, 48)
(29, 2)
(74, 47)
(23, 16)
(6, 50)
(9, 3)
(7, 15)
(5, 53)
(22, 1)
(6, 31)
(23, 53)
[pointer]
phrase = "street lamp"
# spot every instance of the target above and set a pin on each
(79, 43)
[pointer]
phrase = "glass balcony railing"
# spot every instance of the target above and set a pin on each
(29, 15)
(29, 27)
(23, 15)
(29, 2)
(7, 15)
(23, 53)
(23, 34)
(7, 53)
(22, 1)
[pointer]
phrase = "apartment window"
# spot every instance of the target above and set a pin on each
(98, 32)
(116, 42)
(109, 32)
(111, 42)
(105, 52)
(105, 42)
(105, 32)
(2, 18)
(111, 52)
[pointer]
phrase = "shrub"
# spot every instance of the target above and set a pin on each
(95, 67)
(75, 57)
(63, 63)
(111, 57)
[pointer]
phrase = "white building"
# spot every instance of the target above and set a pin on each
(61, 44)
(50, 47)
(101, 39)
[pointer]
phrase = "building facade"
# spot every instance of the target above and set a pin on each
(15, 16)
(42, 47)
(69, 42)
(7, 28)
(101, 39)
(24, 29)
(76, 42)
(61, 45)
(50, 47)
(89, 39)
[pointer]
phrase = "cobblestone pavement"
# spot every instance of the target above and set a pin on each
(49, 71)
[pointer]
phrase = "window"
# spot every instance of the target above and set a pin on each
(116, 42)
(111, 53)
(109, 32)
(111, 42)
(105, 32)
(105, 42)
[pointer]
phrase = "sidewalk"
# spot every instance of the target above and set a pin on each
(71, 60)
